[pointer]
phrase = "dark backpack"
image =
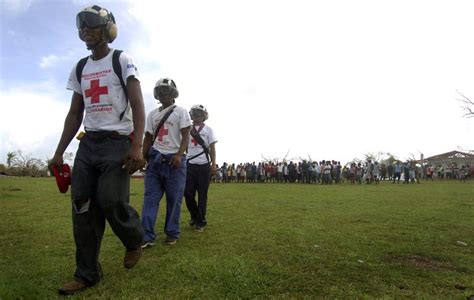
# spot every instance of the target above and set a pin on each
(117, 70)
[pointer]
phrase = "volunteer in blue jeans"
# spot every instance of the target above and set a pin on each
(166, 138)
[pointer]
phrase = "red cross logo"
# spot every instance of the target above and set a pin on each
(95, 91)
(196, 131)
(162, 133)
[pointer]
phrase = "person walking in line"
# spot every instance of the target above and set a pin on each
(166, 138)
(201, 164)
(107, 153)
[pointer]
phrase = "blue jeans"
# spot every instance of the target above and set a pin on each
(161, 178)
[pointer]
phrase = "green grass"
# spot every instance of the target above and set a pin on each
(262, 241)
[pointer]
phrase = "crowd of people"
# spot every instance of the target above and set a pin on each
(178, 150)
(333, 172)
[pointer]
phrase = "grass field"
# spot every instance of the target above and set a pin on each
(263, 241)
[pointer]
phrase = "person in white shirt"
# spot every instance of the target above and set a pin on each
(164, 149)
(108, 153)
(201, 166)
(376, 172)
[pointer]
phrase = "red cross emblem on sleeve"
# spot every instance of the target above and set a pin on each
(95, 91)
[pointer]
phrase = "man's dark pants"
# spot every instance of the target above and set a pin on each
(100, 191)
(197, 180)
(397, 177)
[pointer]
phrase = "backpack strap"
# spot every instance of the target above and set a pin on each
(117, 70)
(162, 121)
(79, 67)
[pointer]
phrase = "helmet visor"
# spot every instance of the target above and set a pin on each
(197, 113)
(163, 90)
(90, 20)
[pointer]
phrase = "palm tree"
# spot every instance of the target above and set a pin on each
(10, 157)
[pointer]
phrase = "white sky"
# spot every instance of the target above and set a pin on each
(325, 79)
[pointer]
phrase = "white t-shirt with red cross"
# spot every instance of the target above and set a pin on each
(168, 138)
(194, 148)
(104, 98)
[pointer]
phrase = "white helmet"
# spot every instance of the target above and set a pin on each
(166, 85)
(199, 111)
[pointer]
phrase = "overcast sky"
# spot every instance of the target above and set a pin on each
(320, 79)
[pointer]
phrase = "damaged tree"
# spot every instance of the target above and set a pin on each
(468, 105)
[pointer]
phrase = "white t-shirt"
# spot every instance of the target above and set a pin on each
(194, 148)
(317, 168)
(104, 98)
(169, 137)
(327, 169)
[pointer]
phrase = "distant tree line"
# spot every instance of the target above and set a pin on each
(23, 164)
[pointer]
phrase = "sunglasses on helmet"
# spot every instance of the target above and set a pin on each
(90, 20)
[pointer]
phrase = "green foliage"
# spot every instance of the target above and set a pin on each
(262, 241)
(10, 158)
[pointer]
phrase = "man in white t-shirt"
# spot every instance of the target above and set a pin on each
(107, 153)
(166, 138)
(201, 166)
(375, 172)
